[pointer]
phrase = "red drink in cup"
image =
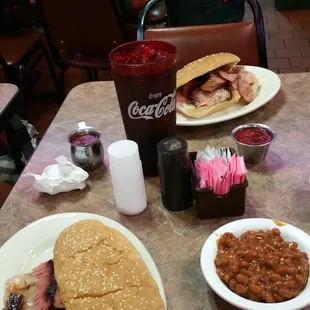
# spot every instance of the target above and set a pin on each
(145, 80)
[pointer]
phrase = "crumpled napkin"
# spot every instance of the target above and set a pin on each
(61, 177)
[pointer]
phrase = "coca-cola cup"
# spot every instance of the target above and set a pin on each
(145, 80)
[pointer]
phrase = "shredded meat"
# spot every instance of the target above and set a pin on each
(213, 82)
(236, 69)
(203, 98)
(231, 77)
(181, 98)
(38, 289)
(234, 84)
(218, 87)
(189, 87)
(246, 80)
(183, 94)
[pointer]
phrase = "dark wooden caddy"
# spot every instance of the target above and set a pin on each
(208, 205)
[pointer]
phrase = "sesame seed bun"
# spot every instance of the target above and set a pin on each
(204, 65)
(96, 267)
(191, 111)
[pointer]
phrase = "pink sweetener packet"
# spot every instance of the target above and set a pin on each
(214, 178)
(211, 179)
(240, 170)
(236, 172)
(243, 169)
(226, 187)
(220, 166)
(201, 173)
(229, 173)
(204, 174)
(208, 179)
(218, 175)
(232, 169)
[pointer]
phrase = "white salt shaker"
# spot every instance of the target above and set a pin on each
(127, 177)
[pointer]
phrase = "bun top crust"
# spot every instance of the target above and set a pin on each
(96, 267)
(204, 65)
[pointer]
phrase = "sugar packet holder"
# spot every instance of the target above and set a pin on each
(209, 205)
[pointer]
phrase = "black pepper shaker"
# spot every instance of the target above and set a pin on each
(174, 174)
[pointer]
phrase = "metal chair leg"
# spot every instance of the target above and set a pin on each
(61, 82)
(22, 90)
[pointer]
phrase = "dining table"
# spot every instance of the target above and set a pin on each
(8, 100)
(278, 187)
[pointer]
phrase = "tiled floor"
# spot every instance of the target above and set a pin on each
(287, 38)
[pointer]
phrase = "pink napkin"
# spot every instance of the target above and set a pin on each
(218, 175)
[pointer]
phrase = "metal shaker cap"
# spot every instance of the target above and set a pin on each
(172, 153)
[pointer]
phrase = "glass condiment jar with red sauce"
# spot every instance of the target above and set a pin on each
(86, 147)
(253, 141)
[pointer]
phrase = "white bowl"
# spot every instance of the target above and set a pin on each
(209, 252)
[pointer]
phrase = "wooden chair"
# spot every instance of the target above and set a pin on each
(247, 40)
(20, 52)
(81, 34)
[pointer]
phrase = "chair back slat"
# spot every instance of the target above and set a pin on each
(247, 40)
(88, 27)
(194, 42)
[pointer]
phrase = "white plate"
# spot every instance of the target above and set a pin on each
(209, 252)
(34, 244)
(269, 85)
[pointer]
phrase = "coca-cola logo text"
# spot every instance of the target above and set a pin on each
(165, 106)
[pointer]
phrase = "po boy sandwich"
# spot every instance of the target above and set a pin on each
(213, 83)
(94, 267)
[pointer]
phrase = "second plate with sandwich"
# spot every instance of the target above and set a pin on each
(96, 262)
(207, 82)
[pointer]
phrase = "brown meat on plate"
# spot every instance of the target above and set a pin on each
(33, 291)
(183, 94)
(213, 83)
(181, 98)
(246, 80)
(230, 74)
(203, 98)
(231, 77)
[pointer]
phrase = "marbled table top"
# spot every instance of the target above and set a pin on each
(7, 93)
(278, 188)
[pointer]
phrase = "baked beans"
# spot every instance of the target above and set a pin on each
(261, 266)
